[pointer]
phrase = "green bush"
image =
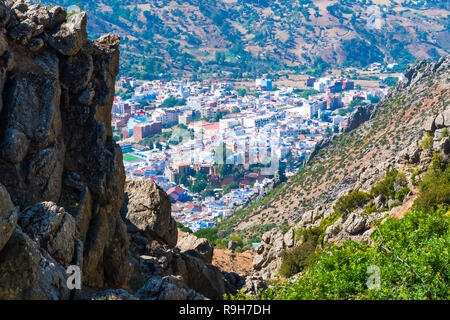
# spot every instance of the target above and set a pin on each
(351, 201)
(401, 194)
(434, 186)
(427, 142)
(298, 258)
(386, 186)
(421, 239)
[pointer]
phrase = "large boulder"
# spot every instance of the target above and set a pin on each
(70, 37)
(29, 273)
(8, 217)
(147, 209)
(167, 288)
(198, 247)
(52, 228)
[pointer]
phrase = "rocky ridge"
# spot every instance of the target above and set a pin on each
(64, 200)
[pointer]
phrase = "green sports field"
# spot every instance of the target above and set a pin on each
(130, 157)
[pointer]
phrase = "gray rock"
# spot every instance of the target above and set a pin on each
(446, 116)
(147, 209)
(201, 248)
(354, 223)
(258, 262)
(167, 288)
(253, 285)
(52, 228)
(289, 238)
(70, 36)
(8, 217)
(232, 245)
(439, 122)
(429, 125)
(28, 273)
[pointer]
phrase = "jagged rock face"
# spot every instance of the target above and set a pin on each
(56, 139)
(147, 209)
(27, 272)
(267, 262)
(52, 228)
(167, 288)
(8, 217)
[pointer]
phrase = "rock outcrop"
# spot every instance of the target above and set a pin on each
(63, 198)
(147, 209)
(197, 247)
(58, 162)
(147, 212)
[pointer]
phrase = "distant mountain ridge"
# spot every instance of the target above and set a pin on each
(252, 37)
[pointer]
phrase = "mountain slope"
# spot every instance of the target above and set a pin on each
(249, 37)
(370, 212)
(357, 159)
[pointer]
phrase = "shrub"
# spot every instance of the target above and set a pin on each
(435, 185)
(350, 202)
(421, 239)
(370, 208)
(386, 186)
(298, 258)
(427, 142)
(402, 193)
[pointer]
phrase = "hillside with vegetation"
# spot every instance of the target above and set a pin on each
(370, 212)
(240, 38)
(358, 159)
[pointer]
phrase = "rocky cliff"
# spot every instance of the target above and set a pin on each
(61, 175)
(64, 201)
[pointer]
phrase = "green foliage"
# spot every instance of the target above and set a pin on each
(421, 239)
(238, 240)
(183, 228)
(427, 142)
(386, 187)
(351, 201)
(298, 258)
(370, 208)
(208, 233)
(434, 186)
(173, 102)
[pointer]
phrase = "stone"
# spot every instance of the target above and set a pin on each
(439, 121)
(354, 224)
(258, 262)
(27, 273)
(289, 238)
(167, 288)
(52, 228)
(446, 117)
(429, 125)
(70, 36)
(58, 16)
(198, 247)
(8, 217)
(232, 245)
(147, 209)
(254, 285)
